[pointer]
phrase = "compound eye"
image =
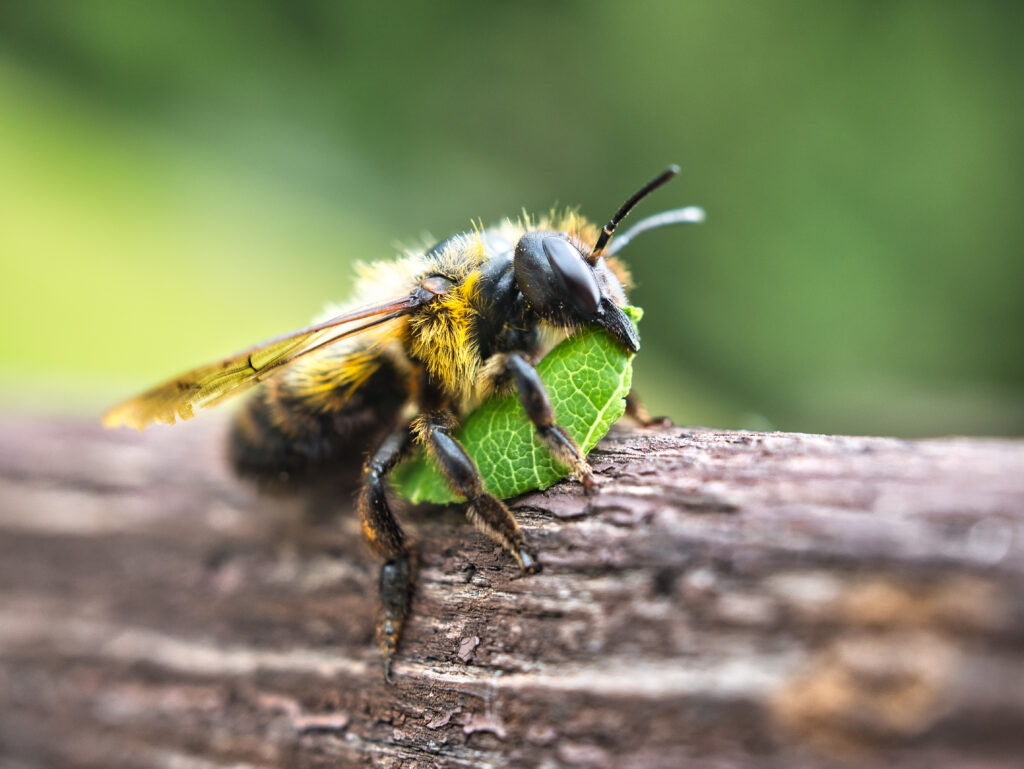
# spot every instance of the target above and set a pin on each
(579, 280)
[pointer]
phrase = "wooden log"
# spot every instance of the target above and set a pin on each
(728, 599)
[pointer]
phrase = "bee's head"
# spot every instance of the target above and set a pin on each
(563, 287)
(567, 286)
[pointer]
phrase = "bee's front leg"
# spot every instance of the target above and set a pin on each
(487, 512)
(538, 408)
(389, 541)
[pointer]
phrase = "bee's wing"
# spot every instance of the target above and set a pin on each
(207, 385)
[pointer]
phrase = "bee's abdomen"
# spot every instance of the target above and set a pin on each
(281, 437)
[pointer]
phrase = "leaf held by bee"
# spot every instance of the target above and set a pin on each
(587, 378)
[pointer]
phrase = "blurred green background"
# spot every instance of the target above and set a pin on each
(179, 180)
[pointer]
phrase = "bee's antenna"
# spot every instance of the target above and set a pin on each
(608, 229)
(688, 215)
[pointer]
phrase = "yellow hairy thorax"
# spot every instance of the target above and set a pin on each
(441, 335)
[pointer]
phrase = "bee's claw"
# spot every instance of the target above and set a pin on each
(528, 562)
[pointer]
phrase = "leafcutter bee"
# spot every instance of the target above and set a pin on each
(427, 339)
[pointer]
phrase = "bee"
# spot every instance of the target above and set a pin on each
(428, 338)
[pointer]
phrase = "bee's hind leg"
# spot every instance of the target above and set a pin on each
(389, 541)
(487, 512)
(538, 408)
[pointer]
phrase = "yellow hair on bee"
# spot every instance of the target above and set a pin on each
(330, 380)
(620, 270)
(441, 335)
(422, 424)
(461, 257)
(578, 228)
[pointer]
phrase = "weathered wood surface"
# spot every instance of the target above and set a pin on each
(728, 599)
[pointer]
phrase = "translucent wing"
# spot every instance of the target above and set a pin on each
(207, 385)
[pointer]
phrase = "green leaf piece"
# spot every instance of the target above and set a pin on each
(587, 378)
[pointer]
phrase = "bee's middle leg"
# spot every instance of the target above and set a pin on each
(637, 411)
(389, 541)
(538, 408)
(487, 512)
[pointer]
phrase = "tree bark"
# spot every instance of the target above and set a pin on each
(727, 599)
